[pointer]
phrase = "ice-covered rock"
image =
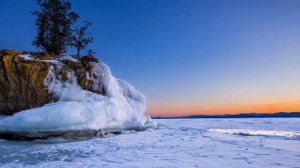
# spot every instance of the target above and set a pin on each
(22, 78)
(99, 102)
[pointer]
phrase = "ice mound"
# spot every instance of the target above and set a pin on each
(252, 132)
(122, 107)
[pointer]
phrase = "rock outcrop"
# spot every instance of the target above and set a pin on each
(22, 78)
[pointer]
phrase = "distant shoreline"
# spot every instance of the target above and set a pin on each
(245, 115)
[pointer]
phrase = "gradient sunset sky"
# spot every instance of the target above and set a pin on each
(188, 56)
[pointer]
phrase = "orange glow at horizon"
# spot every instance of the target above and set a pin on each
(158, 109)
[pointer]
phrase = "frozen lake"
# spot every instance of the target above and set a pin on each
(177, 143)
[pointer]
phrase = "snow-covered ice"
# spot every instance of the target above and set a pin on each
(250, 132)
(176, 143)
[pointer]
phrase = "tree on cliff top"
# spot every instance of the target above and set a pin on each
(81, 37)
(54, 25)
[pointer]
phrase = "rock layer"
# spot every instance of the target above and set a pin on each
(22, 78)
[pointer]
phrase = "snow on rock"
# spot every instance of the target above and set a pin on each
(122, 107)
(68, 58)
(26, 57)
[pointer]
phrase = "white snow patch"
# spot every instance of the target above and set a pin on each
(257, 132)
(56, 62)
(26, 57)
(66, 57)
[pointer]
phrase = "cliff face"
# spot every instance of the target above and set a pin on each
(22, 78)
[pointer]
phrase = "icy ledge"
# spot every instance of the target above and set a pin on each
(79, 110)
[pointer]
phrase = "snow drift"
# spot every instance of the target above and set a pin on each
(122, 107)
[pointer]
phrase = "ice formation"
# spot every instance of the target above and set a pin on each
(122, 107)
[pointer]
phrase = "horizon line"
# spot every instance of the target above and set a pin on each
(222, 115)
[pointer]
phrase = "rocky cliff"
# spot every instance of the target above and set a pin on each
(23, 75)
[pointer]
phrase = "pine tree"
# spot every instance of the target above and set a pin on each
(54, 25)
(81, 37)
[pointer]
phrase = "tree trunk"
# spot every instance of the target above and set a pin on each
(78, 53)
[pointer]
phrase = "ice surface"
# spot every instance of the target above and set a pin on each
(177, 143)
(122, 108)
(257, 132)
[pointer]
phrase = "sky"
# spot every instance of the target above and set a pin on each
(188, 56)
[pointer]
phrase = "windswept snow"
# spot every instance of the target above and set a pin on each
(257, 132)
(122, 108)
(176, 143)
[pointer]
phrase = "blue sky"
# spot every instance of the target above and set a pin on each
(187, 53)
